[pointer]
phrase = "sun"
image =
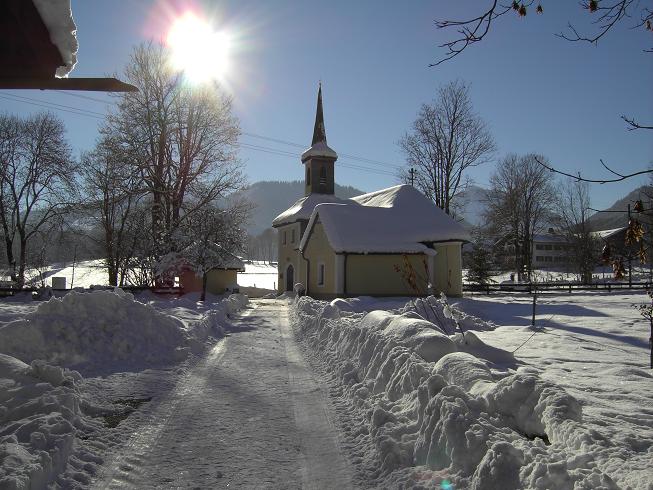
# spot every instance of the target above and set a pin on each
(198, 50)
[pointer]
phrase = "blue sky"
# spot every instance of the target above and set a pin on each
(537, 93)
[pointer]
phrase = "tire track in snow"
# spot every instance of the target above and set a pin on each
(251, 414)
(323, 464)
(119, 471)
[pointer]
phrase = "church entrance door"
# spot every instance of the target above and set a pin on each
(290, 278)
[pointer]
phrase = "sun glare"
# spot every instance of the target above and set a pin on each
(198, 50)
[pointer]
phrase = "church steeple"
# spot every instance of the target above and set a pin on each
(319, 159)
(319, 132)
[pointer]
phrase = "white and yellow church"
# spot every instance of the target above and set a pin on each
(392, 242)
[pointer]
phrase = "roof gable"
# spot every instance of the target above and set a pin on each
(397, 220)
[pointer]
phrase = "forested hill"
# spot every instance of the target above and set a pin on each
(607, 221)
(273, 197)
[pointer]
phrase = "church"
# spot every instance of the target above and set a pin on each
(391, 242)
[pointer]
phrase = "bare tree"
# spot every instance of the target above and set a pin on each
(263, 246)
(37, 179)
(608, 14)
(573, 214)
(114, 192)
(520, 202)
(446, 139)
(181, 139)
(209, 239)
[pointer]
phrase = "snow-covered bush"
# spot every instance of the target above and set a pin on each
(448, 408)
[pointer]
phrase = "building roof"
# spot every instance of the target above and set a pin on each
(399, 219)
(549, 238)
(607, 233)
(303, 208)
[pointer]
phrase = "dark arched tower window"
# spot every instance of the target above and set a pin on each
(323, 177)
(308, 175)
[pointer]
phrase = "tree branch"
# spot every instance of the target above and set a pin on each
(578, 177)
(634, 124)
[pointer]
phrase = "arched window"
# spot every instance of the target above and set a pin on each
(308, 175)
(323, 176)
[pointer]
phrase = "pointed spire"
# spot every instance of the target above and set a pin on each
(319, 132)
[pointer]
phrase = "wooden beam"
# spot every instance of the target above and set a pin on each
(88, 84)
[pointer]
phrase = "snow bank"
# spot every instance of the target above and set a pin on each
(40, 413)
(448, 407)
(94, 329)
(217, 320)
(108, 330)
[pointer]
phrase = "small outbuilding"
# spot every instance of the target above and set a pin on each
(203, 264)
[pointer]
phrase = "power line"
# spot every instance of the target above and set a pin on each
(87, 97)
(346, 155)
(21, 98)
(275, 151)
(71, 111)
(255, 135)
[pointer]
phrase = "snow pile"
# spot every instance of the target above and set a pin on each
(449, 318)
(109, 329)
(40, 413)
(216, 321)
(85, 330)
(451, 409)
(58, 19)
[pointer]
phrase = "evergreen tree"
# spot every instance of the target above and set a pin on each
(480, 265)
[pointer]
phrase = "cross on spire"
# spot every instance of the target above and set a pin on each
(319, 132)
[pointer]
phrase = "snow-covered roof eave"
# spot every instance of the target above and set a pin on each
(58, 19)
(319, 149)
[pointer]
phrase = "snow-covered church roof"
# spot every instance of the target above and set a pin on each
(399, 219)
(303, 208)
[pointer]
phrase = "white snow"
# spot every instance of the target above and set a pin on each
(319, 149)
(464, 411)
(394, 220)
(258, 274)
(85, 273)
(58, 19)
(40, 414)
(303, 208)
(53, 422)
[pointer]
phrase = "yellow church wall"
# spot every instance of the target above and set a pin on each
(375, 274)
(447, 274)
(318, 251)
(289, 255)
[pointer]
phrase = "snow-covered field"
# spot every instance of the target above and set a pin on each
(601, 274)
(89, 273)
(74, 369)
(569, 409)
(259, 275)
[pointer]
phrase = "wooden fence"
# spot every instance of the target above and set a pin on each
(568, 287)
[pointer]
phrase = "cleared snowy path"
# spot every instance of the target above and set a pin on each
(251, 414)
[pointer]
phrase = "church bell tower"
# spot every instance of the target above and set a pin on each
(319, 160)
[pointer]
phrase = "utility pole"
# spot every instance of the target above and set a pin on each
(412, 176)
